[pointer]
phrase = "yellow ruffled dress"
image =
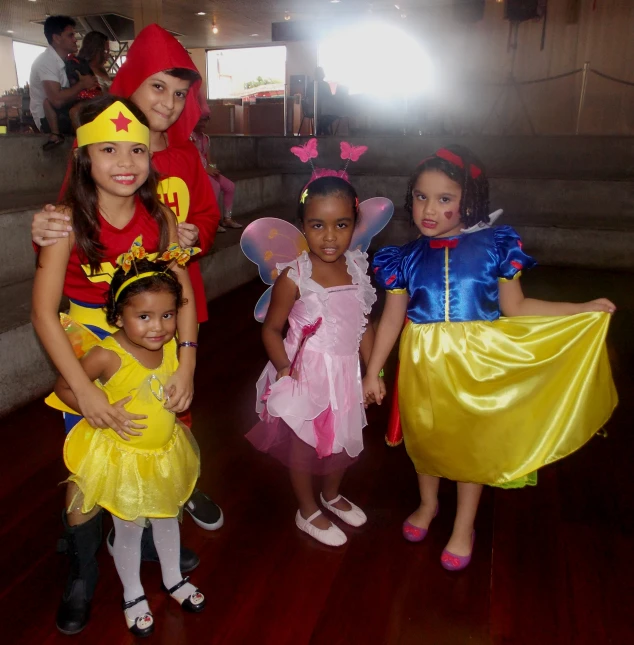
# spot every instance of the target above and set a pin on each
(149, 476)
(482, 398)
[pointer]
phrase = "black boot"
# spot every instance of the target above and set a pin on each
(80, 543)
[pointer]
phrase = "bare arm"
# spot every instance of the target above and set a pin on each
(390, 327)
(367, 342)
(282, 301)
(94, 364)
(59, 96)
(513, 303)
(180, 387)
(47, 294)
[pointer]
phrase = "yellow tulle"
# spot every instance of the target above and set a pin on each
(129, 482)
(491, 403)
(153, 474)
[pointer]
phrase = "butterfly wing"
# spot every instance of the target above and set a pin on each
(374, 214)
(262, 305)
(345, 150)
(300, 152)
(311, 148)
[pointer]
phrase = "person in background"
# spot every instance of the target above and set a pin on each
(326, 112)
(219, 182)
(49, 83)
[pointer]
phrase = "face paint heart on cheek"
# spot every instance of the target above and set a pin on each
(448, 214)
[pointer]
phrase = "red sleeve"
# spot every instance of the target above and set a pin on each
(203, 208)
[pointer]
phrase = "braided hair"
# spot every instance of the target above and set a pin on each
(463, 167)
(326, 187)
(162, 280)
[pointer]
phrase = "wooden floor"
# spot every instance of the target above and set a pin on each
(552, 565)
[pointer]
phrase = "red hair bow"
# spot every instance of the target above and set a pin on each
(456, 160)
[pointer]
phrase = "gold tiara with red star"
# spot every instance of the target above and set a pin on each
(115, 123)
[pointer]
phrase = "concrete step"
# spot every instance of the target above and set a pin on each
(550, 157)
(564, 244)
(25, 371)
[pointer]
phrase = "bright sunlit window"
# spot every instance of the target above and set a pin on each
(247, 72)
(24, 55)
(377, 59)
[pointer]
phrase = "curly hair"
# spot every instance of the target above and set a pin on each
(162, 280)
(463, 167)
(326, 187)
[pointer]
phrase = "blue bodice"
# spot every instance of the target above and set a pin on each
(453, 279)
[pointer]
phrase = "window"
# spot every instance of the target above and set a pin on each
(24, 55)
(246, 73)
(377, 59)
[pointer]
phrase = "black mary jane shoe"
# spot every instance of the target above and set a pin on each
(196, 601)
(143, 625)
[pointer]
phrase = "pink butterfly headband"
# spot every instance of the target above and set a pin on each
(454, 159)
(308, 152)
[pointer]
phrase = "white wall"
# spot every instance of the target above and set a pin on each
(8, 77)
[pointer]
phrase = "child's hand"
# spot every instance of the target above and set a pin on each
(187, 235)
(600, 304)
(126, 433)
(179, 390)
(373, 390)
(285, 371)
(49, 225)
(97, 410)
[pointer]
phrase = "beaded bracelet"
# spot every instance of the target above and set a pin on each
(381, 373)
(188, 343)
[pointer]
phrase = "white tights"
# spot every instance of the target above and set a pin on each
(127, 559)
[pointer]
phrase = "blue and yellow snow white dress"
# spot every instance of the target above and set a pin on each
(483, 398)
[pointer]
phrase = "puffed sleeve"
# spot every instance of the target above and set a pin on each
(511, 258)
(387, 267)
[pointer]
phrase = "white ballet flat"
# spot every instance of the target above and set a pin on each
(355, 516)
(332, 536)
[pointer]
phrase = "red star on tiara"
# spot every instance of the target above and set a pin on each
(121, 122)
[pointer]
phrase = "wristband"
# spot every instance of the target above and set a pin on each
(381, 373)
(188, 343)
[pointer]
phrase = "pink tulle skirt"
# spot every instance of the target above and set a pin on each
(276, 438)
(313, 422)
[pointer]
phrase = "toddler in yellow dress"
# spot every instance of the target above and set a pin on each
(145, 477)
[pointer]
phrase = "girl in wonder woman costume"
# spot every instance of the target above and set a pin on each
(111, 198)
(483, 399)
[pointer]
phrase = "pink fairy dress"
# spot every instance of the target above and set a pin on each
(314, 420)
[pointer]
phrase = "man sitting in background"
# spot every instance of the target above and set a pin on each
(51, 96)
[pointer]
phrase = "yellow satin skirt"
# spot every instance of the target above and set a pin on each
(130, 482)
(492, 402)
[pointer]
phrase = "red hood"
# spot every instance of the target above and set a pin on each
(155, 50)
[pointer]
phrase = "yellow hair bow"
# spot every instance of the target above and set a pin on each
(136, 252)
(179, 255)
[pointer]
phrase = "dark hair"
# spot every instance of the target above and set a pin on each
(326, 187)
(81, 192)
(184, 74)
(92, 44)
(474, 203)
(163, 280)
(55, 25)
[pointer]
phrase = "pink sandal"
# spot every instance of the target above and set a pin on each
(414, 533)
(453, 562)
